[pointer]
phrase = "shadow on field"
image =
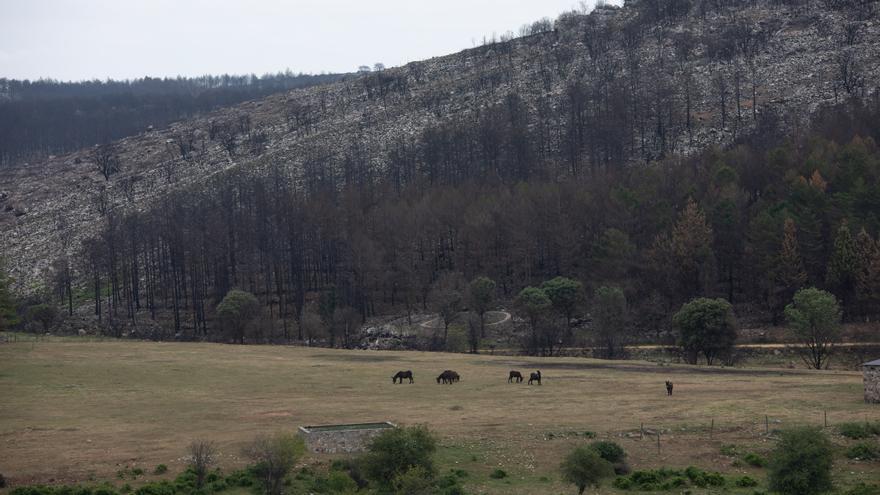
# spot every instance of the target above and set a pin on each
(641, 368)
(360, 358)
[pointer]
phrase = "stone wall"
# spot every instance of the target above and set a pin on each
(339, 439)
(872, 384)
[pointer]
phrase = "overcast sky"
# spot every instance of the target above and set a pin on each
(86, 39)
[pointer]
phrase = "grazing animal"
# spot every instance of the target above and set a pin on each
(448, 377)
(515, 375)
(401, 375)
(535, 377)
(668, 387)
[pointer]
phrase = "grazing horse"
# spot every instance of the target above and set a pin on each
(515, 375)
(401, 375)
(448, 377)
(535, 377)
(668, 387)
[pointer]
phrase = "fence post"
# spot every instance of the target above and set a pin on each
(826, 418)
(658, 441)
(712, 429)
(641, 431)
(766, 425)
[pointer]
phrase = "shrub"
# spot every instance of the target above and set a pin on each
(340, 482)
(273, 458)
(160, 469)
(414, 481)
(863, 451)
(2, 481)
(745, 482)
(585, 467)
(609, 451)
(498, 474)
(353, 468)
(137, 472)
(729, 450)
(858, 431)
(156, 488)
(397, 451)
(126, 488)
(863, 489)
(801, 463)
(755, 460)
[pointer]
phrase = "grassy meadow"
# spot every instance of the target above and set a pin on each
(75, 410)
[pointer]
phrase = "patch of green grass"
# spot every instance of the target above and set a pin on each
(863, 451)
(858, 431)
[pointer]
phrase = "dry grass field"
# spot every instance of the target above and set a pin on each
(75, 410)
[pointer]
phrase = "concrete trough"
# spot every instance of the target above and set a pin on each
(339, 439)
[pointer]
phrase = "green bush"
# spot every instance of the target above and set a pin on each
(160, 469)
(863, 451)
(137, 472)
(2, 481)
(729, 450)
(745, 482)
(584, 467)
(609, 451)
(755, 460)
(340, 482)
(126, 488)
(351, 467)
(858, 431)
(498, 474)
(801, 462)
(414, 481)
(863, 489)
(397, 451)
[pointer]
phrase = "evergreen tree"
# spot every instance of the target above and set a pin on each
(610, 314)
(692, 249)
(868, 273)
(843, 266)
(790, 274)
(8, 316)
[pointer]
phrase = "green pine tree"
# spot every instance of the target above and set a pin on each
(843, 266)
(8, 315)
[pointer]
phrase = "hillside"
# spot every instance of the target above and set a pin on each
(593, 110)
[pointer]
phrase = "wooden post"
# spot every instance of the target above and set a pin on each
(658, 442)
(712, 428)
(826, 418)
(641, 430)
(766, 425)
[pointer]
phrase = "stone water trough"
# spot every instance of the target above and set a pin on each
(336, 439)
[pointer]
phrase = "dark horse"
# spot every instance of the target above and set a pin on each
(448, 377)
(535, 377)
(401, 375)
(668, 387)
(515, 375)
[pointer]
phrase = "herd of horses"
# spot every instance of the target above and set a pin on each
(449, 377)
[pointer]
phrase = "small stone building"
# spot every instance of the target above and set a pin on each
(872, 381)
(336, 439)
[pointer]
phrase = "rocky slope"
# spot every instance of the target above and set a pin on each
(795, 57)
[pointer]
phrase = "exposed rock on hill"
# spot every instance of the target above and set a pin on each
(619, 85)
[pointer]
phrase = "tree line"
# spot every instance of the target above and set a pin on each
(46, 116)
(753, 224)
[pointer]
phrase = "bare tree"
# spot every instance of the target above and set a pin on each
(106, 160)
(202, 456)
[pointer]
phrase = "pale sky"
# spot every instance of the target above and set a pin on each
(86, 39)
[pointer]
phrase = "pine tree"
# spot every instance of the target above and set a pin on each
(842, 267)
(8, 315)
(692, 249)
(867, 273)
(790, 273)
